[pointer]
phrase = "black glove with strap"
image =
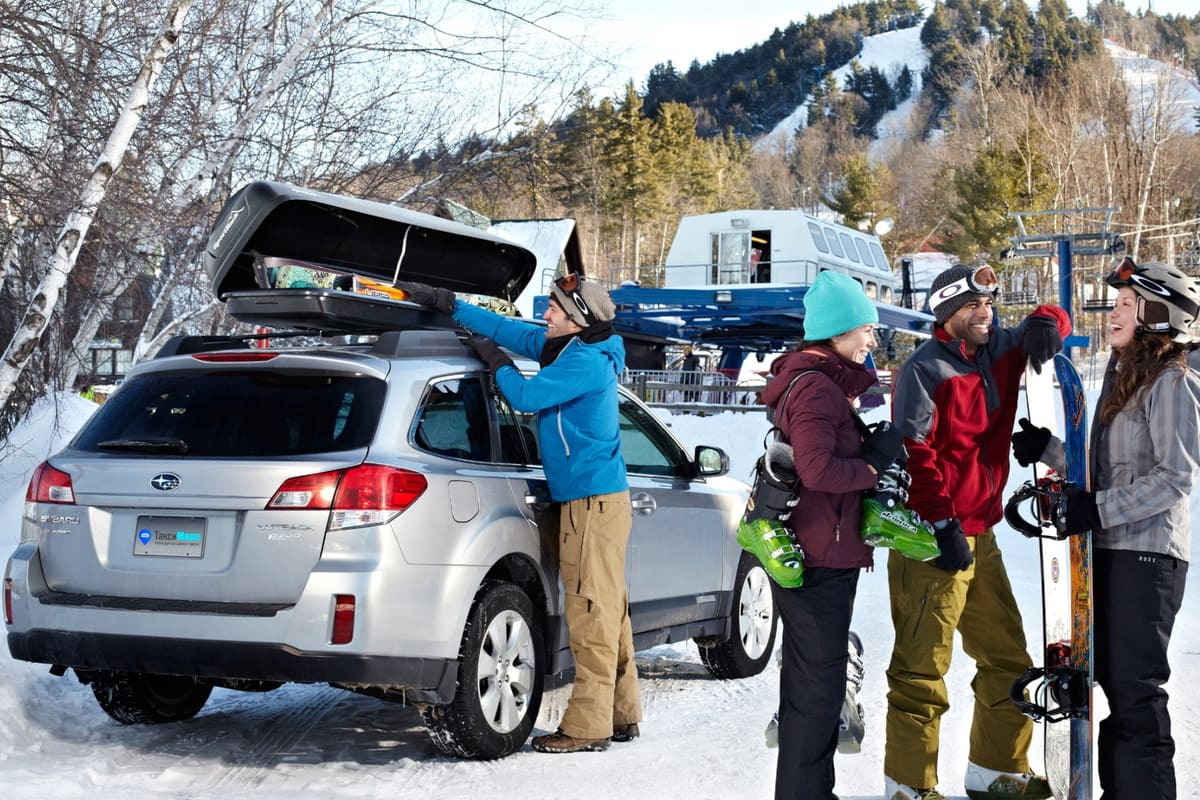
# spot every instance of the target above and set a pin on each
(884, 445)
(1029, 443)
(1078, 513)
(489, 352)
(1041, 340)
(423, 294)
(956, 553)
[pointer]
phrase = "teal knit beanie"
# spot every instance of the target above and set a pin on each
(835, 303)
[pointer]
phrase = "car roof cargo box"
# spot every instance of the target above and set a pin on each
(268, 224)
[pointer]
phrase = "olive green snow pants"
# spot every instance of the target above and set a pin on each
(591, 559)
(928, 605)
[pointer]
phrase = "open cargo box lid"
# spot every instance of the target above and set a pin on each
(268, 224)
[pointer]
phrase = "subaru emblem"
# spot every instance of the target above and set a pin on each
(165, 481)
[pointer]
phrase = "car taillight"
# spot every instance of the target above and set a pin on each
(8, 618)
(49, 485)
(343, 619)
(369, 494)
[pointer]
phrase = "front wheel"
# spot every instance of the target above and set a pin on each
(133, 698)
(500, 676)
(753, 620)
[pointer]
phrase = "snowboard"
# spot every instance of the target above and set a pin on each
(1075, 428)
(1040, 404)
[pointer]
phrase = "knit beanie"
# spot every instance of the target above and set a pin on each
(588, 304)
(945, 309)
(836, 303)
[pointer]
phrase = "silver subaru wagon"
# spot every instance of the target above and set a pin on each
(352, 503)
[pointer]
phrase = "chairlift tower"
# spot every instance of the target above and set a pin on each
(1065, 244)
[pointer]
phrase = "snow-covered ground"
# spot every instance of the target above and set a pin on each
(701, 738)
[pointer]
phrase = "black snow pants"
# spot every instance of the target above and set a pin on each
(812, 680)
(1137, 596)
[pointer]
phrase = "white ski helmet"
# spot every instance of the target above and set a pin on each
(1168, 300)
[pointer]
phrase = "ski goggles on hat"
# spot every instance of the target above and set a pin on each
(1123, 274)
(569, 287)
(982, 280)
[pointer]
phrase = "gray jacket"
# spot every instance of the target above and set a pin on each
(1144, 464)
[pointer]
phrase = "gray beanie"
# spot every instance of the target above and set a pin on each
(943, 308)
(587, 304)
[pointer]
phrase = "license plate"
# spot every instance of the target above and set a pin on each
(180, 537)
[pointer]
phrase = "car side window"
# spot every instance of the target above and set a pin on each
(646, 447)
(453, 420)
(518, 435)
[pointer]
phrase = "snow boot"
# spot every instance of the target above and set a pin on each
(893, 790)
(887, 523)
(775, 548)
(991, 784)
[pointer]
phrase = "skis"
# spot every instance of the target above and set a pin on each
(1056, 589)
(1075, 441)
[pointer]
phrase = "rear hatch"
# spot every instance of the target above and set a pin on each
(287, 256)
(174, 475)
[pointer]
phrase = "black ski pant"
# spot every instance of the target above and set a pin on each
(812, 680)
(1137, 596)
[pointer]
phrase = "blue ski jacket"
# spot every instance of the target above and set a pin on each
(575, 399)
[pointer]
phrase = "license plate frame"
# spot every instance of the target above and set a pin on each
(170, 537)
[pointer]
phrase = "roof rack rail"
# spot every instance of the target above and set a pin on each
(432, 343)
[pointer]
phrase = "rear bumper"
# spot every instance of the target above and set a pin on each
(428, 680)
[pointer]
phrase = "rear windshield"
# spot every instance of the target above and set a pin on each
(236, 414)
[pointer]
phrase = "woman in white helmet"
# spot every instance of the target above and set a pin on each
(1145, 442)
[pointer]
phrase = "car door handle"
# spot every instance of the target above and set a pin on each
(643, 504)
(537, 503)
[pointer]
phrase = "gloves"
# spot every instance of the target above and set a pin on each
(955, 552)
(1030, 442)
(884, 445)
(1040, 341)
(489, 352)
(894, 482)
(1079, 513)
(423, 294)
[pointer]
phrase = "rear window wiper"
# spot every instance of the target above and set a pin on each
(177, 446)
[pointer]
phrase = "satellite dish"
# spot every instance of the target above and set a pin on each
(884, 226)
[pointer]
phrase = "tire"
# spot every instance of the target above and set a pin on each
(136, 699)
(500, 679)
(753, 622)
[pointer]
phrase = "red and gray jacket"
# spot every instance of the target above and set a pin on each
(820, 424)
(956, 413)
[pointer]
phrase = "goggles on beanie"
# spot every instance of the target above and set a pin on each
(570, 287)
(982, 280)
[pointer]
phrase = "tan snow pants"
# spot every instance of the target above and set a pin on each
(591, 558)
(928, 605)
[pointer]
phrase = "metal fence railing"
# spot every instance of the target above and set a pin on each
(686, 391)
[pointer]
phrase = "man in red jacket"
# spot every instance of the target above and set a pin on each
(955, 400)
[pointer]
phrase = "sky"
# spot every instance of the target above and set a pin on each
(702, 738)
(651, 32)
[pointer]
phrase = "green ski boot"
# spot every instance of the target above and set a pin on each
(887, 523)
(773, 545)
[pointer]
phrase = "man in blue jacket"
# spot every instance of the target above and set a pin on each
(575, 398)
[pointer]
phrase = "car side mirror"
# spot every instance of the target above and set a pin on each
(711, 461)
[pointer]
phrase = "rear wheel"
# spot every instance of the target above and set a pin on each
(500, 676)
(133, 698)
(753, 621)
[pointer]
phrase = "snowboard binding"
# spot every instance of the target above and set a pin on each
(1045, 507)
(1061, 693)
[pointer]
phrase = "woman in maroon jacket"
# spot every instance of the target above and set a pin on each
(825, 375)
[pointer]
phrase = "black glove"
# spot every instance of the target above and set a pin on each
(956, 553)
(1079, 513)
(884, 445)
(1040, 341)
(894, 483)
(489, 352)
(423, 294)
(1030, 442)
